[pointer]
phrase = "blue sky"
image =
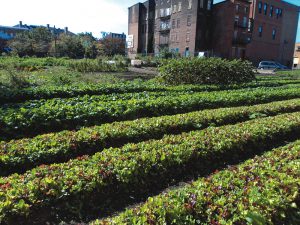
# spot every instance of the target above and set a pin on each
(80, 16)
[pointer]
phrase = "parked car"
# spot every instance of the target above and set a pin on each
(271, 65)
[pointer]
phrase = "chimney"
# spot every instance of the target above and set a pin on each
(20, 24)
(66, 30)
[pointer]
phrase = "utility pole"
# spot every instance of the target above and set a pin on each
(55, 40)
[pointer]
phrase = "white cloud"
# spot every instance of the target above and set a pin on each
(80, 16)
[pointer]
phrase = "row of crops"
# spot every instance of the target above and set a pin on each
(69, 91)
(87, 156)
(30, 118)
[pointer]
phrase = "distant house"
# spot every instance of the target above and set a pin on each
(113, 35)
(9, 32)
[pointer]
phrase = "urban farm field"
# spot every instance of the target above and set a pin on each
(204, 142)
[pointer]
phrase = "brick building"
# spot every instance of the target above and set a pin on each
(249, 29)
(233, 28)
(274, 31)
(267, 30)
(141, 19)
(182, 26)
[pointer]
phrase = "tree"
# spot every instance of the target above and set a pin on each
(68, 46)
(3, 45)
(35, 42)
(89, 44)
(112, 46)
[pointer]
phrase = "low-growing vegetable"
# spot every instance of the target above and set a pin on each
(89, 183)
(57, 115)
(8, 95)
(263, 190)
(20, 155)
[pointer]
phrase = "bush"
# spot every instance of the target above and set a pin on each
(206, 71)
(98, 65)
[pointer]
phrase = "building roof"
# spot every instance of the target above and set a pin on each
(13, 28)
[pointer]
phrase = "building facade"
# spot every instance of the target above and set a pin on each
(182, 26)
(141, 22)
(255, 30)
(262, 30)
(296, 61)
(274, 31)
(233, 27)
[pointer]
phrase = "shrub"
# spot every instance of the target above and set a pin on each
(206, 71)
(97, 65)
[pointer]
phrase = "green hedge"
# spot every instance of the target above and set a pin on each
(82, 185)
(62, 114)
(263, 190)
(20, 155)
(206, 71)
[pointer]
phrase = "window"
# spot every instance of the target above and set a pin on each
(250, 26)
(209, 5)
(278, 13)
(188, 36)
(190, 4)
(167, 11)
(271, 10)
(260, 30)
(162, 12)
(274, 34)
(165, 25)
(173, 24)
(245, 22)
(237, 7)
(163, 40)
(265, 8)
(201, 4)
(189, 21)
(179, 6)
(236, 21)
(178, 23)
(260, 7)
(246, 10)
(173, 38)
(174, 8)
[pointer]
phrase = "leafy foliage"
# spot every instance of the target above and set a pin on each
(59, 114)
(16, 155)
(261, 191)
(206, 71)
(109, 46)
(69, 187)
(35, 42)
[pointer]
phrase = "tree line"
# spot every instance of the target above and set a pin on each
(41, 42)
